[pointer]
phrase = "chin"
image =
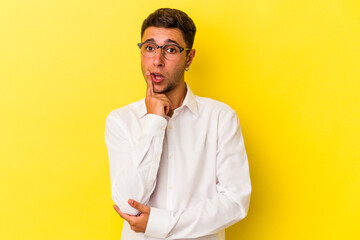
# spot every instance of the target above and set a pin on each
(160, 91)
(169, 87)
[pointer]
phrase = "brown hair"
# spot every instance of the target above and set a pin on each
(171, 18)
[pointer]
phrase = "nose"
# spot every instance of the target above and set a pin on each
(158, 58)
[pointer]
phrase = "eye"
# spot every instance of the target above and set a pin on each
(171, 49)
(149, 47)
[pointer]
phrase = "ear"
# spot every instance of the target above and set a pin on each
(190, 57)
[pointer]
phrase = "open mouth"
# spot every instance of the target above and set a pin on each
(157, 77)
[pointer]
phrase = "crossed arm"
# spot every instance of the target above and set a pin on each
(208, 216)
(135, 213)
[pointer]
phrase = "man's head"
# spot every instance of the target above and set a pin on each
(167, 36)
(172, 18)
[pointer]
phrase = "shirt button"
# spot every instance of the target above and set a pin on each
(171, 188)
(170, 126)
(163, 128)
(171, 155)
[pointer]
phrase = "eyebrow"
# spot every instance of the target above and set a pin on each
(167, 41)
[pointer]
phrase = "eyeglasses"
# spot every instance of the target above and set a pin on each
(170, 51)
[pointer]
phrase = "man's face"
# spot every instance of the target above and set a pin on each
(166, 74)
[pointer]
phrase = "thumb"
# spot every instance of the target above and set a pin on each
(142, 208)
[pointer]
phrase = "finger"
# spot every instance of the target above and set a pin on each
(166, 104)
(150, 87)
(166, 100)
(123, 215)
(142, 208)
(117, 209)
(166, 109)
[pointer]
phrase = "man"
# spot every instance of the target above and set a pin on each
(178, 164)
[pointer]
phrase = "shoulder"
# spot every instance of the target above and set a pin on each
(135, 108)
(210, 105)
(217, 112)
(128, 112)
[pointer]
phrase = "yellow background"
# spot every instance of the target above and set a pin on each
(291, 70)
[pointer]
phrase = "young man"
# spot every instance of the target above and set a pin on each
(178, 164)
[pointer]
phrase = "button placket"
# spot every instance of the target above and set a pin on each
(171, 165)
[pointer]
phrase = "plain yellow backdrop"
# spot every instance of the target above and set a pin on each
(291, 70)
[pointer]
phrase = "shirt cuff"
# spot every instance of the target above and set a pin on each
(155, 125)
(158, 223)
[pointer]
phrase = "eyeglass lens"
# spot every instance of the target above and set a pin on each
(170, 51)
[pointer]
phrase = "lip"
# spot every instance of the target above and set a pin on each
(156, 80)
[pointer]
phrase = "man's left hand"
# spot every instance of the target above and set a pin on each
(137, 223)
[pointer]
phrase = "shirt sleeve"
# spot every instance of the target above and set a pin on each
(231, 202)
(133, 166)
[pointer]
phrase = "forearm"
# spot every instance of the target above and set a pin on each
(134, 166)
(208, 217)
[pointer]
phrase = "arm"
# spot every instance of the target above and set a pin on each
(233, 192)
(134, 166)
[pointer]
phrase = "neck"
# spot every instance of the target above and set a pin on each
(177, 95)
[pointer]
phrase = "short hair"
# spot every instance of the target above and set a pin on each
(171, 18)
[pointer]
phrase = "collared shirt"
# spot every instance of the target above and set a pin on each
(191, 169)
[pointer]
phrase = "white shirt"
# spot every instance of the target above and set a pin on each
(191, 169)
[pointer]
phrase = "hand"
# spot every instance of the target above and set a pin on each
(137, 223)
(158, 104)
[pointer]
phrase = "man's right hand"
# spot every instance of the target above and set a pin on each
(158, 104)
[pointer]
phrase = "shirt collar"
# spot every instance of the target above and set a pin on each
(189, 102)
